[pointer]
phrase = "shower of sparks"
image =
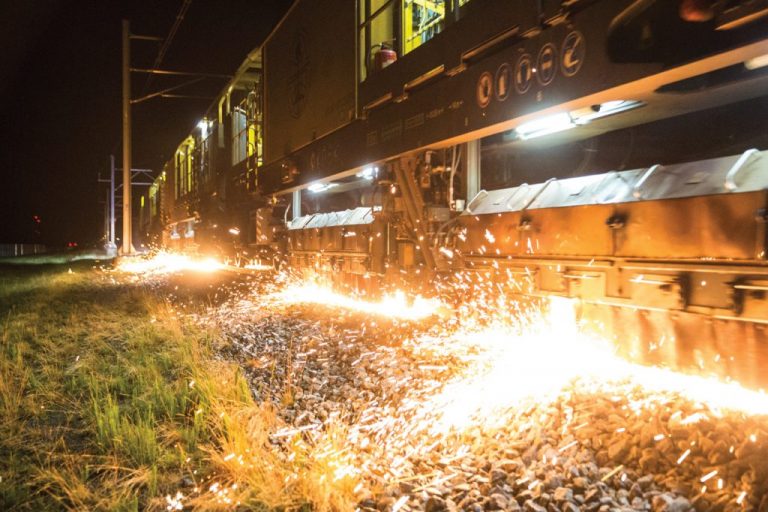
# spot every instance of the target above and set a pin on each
(485, 364)
(396, 305)
(167, 263)
(547, 356)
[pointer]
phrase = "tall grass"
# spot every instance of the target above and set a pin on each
(110, 401)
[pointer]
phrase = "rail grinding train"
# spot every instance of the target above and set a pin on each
(604, 150)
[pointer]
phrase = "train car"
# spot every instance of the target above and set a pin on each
(608, 151)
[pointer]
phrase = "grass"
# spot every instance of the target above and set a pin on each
(109, 400)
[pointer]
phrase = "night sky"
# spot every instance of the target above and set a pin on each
(60, 99)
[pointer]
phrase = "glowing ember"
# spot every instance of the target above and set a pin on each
(174, 502)
(167, 263)
(685, 455)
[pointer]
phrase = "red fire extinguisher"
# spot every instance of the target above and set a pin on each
(383, 55)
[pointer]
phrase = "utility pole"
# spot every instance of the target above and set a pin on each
(106, 219)
(146, 179)
(127, 243)
(112, 245)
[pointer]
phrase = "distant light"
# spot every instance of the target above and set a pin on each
(234, 231)
(321, 187)
(757, 62)
(545, 126)
(368, 173)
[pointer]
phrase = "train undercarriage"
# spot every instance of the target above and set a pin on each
(669, 261)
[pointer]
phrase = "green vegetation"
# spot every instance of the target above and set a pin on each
(110, 401)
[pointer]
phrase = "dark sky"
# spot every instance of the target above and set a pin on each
(60, 98)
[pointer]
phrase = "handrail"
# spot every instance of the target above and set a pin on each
(730, 178)
(490, 43)
(425, 77)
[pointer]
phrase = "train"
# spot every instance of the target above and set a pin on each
(607, 151)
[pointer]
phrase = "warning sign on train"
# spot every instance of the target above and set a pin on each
(546, 64)
(484, 90)
(503, 82)
(523, 73)
(573, 53)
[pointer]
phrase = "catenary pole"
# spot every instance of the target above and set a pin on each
(112, 245)
(127, 247)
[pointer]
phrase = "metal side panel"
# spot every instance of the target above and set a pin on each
(722, 227)
(309, 84)
(575, 231)
(719, 227)
(491, 235)
(685, 342)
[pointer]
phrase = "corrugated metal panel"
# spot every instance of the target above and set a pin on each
(355, 217)
(743, 173)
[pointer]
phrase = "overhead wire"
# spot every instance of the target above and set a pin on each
(163, 50)
(167, 42)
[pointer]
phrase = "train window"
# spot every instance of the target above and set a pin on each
(180, 175)
(189, 165)
(255, 127)
(390, 28)
(202, 159)
(239, 135)
(184, 167)
(378, 34)
(728, 129)
(153, 199)
(422, 20)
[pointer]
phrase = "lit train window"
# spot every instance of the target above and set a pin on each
(239, 135)
(390, 28)
(422, 20)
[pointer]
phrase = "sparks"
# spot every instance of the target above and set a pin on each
(395, 305)
(166, 263)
